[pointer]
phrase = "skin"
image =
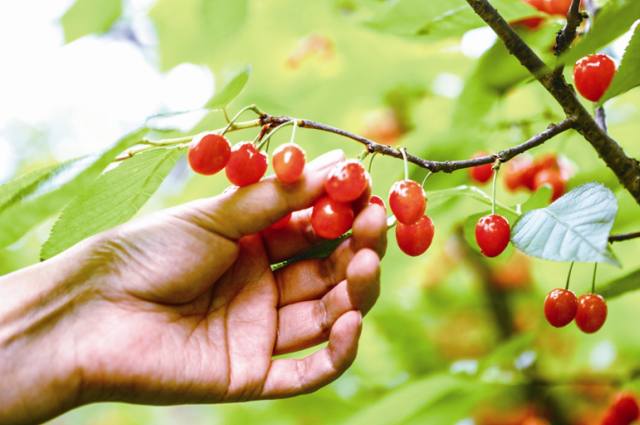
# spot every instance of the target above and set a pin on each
(182, 306)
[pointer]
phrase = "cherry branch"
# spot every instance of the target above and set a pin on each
(624, 237)
(567, 35)
(626, 169)
(433, 166)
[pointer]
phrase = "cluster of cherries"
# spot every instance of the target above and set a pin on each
(525, 172)
(561, 306)
(623, 410)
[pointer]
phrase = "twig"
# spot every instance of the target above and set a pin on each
(624, 237)
(433, 166)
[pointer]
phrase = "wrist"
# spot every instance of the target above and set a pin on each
(40, 378)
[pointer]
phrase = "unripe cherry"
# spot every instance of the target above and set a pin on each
(288, 162)
(246, 164)
(208, 153)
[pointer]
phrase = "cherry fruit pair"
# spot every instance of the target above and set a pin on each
(561, 307)
(415, 230)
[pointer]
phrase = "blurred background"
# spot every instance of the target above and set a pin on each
(454, 338)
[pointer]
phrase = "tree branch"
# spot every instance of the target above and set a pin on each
(625, 168)
(624, 237)
(601, 118)
(433, 166)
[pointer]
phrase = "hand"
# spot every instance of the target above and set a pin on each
(182, 306)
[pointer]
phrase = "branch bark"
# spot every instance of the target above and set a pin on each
(624, 237)
(433, 166)
(625, 168)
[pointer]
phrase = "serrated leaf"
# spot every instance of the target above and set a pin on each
(574, 228)
(48, 193)
(612, 21)
(627, 76)
(10, 191)
(405, 402)
(627, 283)
(114, 198)
(231, 90)
(86, 17)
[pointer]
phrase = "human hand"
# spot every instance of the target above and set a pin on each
(182, 306)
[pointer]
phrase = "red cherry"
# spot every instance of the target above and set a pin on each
(246, 165)
(347, 180)
(610, 418)
(362, 201)
(481, 173)
(558, 7)
(514, 172)
(554, 179)
(538, 4)
(375, 199)
(331, 219)
(592, 313)
(592, 75)
(493, 234)
(281, 223)
(625, 407)
(531, 23)
(407, 201)
(560, 307)
(208, 153)
(415, 239)
(288, 162)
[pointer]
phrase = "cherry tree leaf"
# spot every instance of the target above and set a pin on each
(574, 228)
(114, 198)
(89, 16)
(43, 193)
(620, 286)
(231, 90)
(627, 76)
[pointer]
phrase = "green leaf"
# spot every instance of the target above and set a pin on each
(114, 198)
(88, 17)
(192, 30)
(627, 76)
(231, 90)
(405, 402)
(574, 228)
(613, 20)
(10, 192)
(627, 283)
(49, 191)
(540, 199)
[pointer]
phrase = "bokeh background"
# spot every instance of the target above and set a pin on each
(454, 338)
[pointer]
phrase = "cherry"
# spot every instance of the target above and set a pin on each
(592, 75)
(363, 200)
(481, 173)
(415, 239)
(625, 407)
(558, 7)
(331, 219)
(375, 199)
(560, 307)
(346, 182)
(538, 4)
(515, 171)
(208, 153)
(246, 165)
(493, 234)
(281, 223)
(592, 313)
(407, 201)
(288, 162)
(554, 179)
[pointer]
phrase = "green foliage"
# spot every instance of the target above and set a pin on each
(231, 90)
(627, 76)
(47, 192)
(114, 198)
(89, 16)
(615, 18)
(620, 286)
(574, 228)
(190, 30)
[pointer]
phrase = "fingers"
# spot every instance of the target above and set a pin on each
(305, 324)
(253, 208)
(311, 279)
(290, 377)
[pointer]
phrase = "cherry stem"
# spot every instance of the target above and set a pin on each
(569, 276)
(406, 163)
(493, 197)
(593, 282)
(226, 116)
(243, 110)
(425, 178)
(371, 161)
(275, 130)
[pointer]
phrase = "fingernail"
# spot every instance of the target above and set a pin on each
(360, 313)
(326, 160)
